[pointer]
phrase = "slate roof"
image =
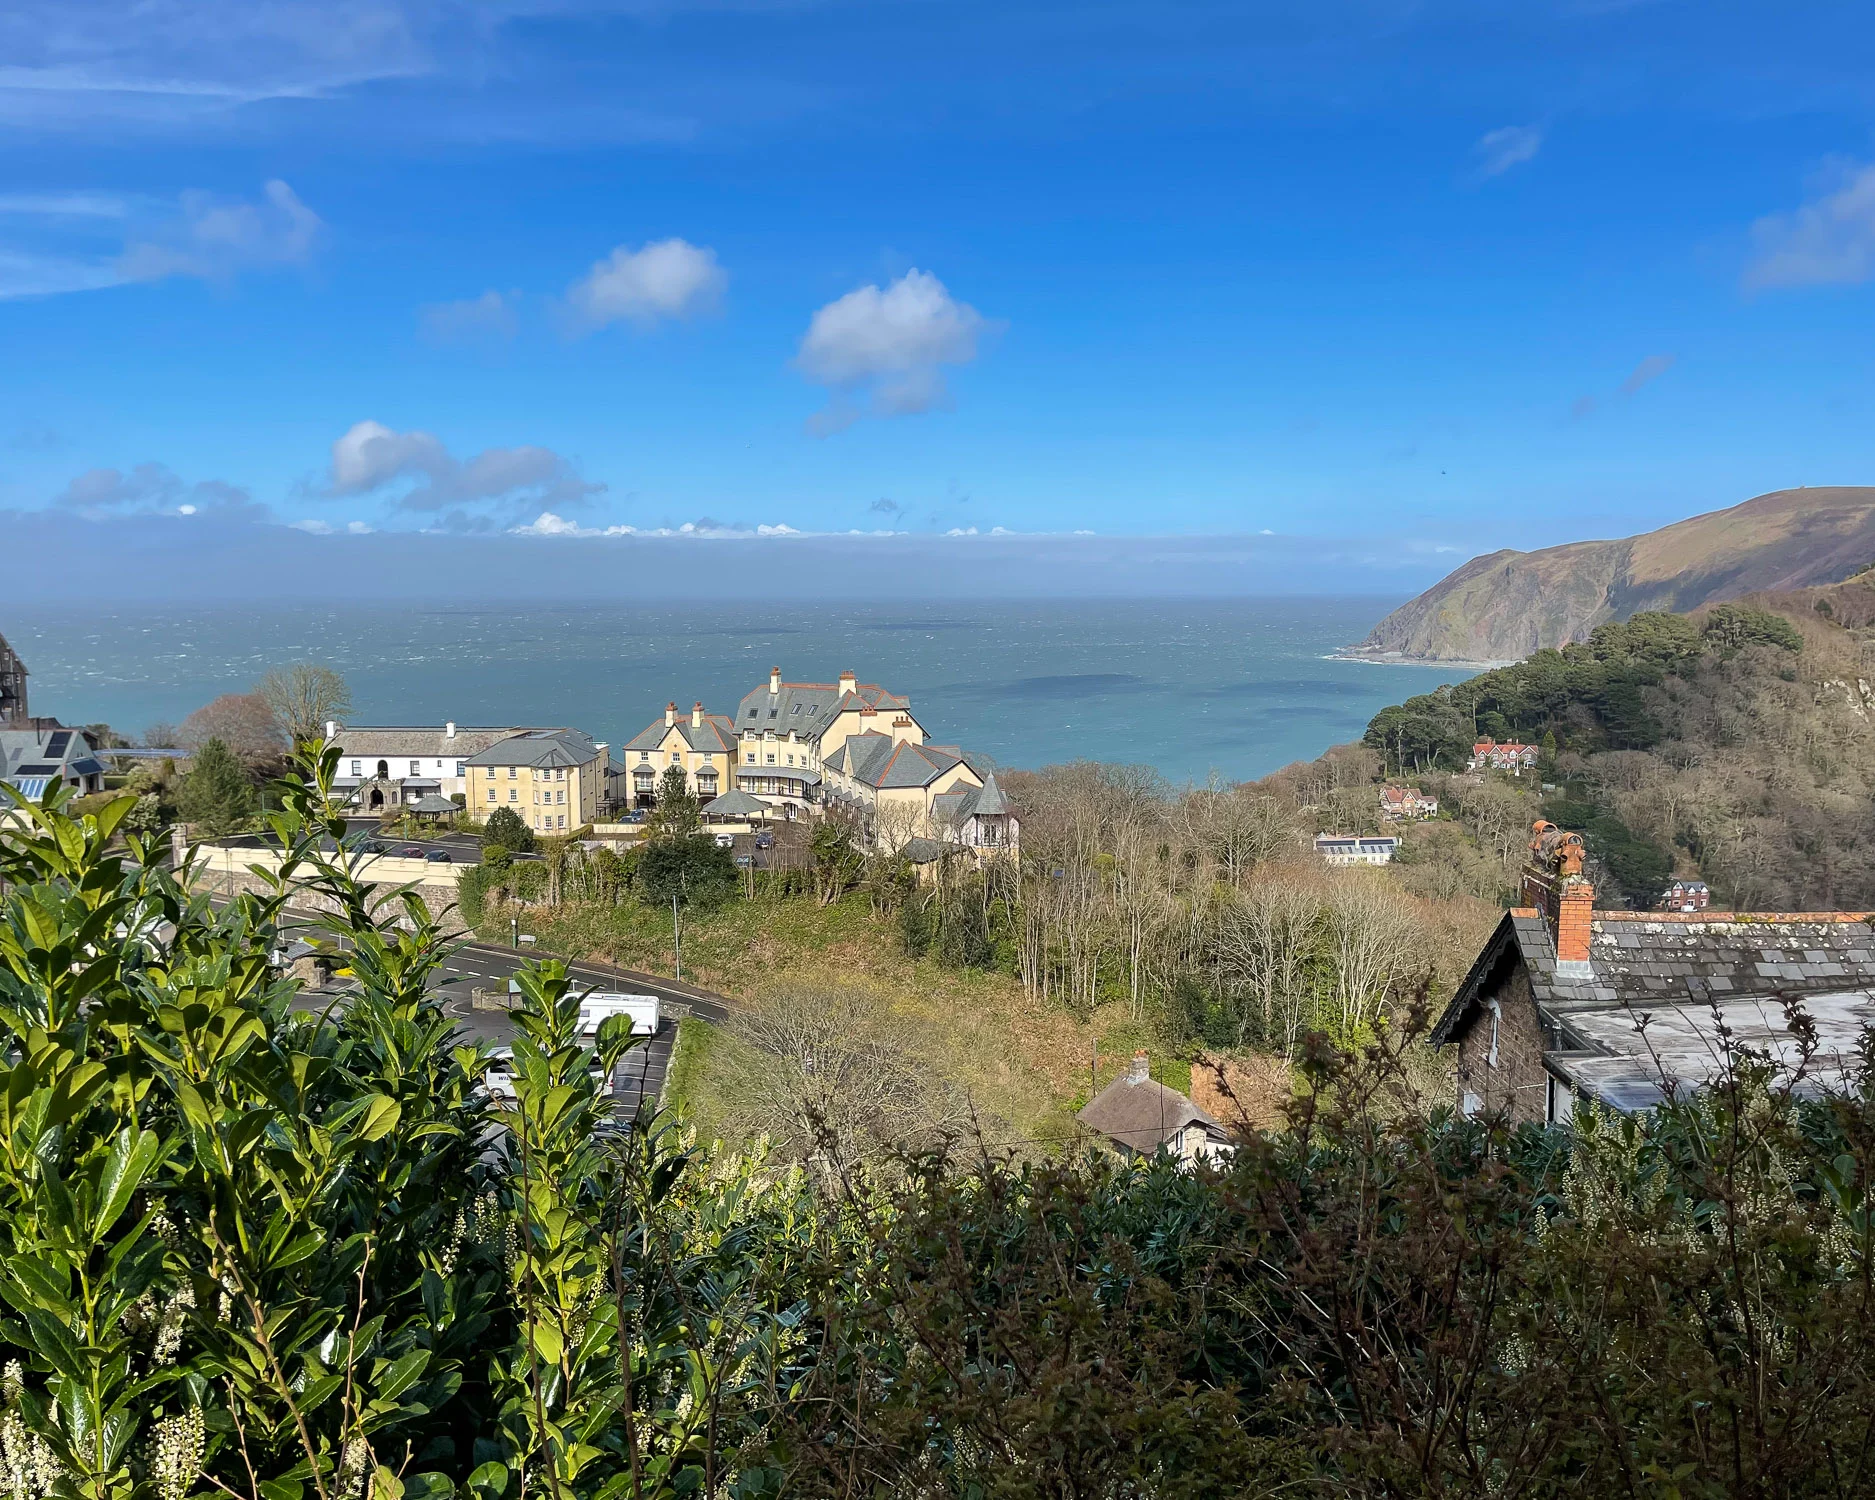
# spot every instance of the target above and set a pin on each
(1143, 1115)
(1674, 967)
(716, 735)
(807, 708)
(736, 804)
(883, 763)
(390, 741)
(988, 800)
(432, 802)
(47, 752)
(539, 747)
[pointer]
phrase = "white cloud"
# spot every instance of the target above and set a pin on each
(1829, 241)
(669, 279)
(490, 316)
(549, 524)
(316, 528)
(370, 458)
(67, 205)
(1497, 151)
(889, 345)
(216, 240)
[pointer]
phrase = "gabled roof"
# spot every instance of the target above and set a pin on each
(716, 735)
(987, 801)
(1144, 1115)
(734, 804)
(1641, 960)
(541, 748)
(46, 752)
(807, 708)
(879, 761)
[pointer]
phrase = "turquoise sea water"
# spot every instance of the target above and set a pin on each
(1238, 686)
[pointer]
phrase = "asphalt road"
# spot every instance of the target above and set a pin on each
(473, 966)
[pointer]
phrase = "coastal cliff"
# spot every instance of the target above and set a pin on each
(1504, 605)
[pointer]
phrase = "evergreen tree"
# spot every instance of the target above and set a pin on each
(505, 830)
(678, 814)
(217, 794)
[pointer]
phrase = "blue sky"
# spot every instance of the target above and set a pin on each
(1433, 277)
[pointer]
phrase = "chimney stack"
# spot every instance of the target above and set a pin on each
(670, 714)
(332, 730)
(848, 683)
(1141, 1069)
(1553, 883)
(449, 730)
(696, 716)
(774, 681)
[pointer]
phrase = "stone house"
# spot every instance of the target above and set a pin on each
(1567, 1002)
(1507, 755)
(1398, 803)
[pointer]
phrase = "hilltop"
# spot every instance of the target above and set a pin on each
(1505, 605)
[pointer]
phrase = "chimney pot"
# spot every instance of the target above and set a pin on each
(848, 682)
(1553, 883)
(1141, 1068)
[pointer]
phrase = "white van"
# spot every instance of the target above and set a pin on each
(643, 1010)
(499, 1079)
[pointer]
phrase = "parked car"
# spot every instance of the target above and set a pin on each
(440, 857)
(745, 861)
(725, 841)
(764, 841)
(373, 846)
(411, 851)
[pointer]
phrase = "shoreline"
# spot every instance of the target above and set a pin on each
(1395, 659)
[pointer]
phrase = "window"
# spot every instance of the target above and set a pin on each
(771, 757)
(512, 797)
(358, 768)
(796, 709)
(674, 757)
(512, 773)
(561, 822)
(749, 759)
(462, 767)
(416, 768)
(790, 757)
(491, 794)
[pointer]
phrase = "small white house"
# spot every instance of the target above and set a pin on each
(397, 764)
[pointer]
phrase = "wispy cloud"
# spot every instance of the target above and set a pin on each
(216, 240)
(550, 525)
(417, 472)
(881, 351)
(487, 318)
(1828, 241)
(669, 280)
(1651, 368)
(1497, 151)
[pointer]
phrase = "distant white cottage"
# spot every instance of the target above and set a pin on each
(1356, 849)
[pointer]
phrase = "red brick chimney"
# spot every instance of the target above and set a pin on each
(1553, 883)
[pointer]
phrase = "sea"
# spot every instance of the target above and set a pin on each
(1231, 688)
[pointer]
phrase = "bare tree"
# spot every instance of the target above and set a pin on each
(1373, 942)
(241, 721)
(303, 698)
(1266, 941)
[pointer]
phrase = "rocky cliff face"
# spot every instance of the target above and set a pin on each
(1505, 605)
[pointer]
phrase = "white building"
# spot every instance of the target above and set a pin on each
(388, 765)
(1356, 849)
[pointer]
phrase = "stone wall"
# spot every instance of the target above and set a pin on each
(1518, 1084)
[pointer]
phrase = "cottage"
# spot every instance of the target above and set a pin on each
(1141, 1117)
(1627, 1008)
(1356, 849)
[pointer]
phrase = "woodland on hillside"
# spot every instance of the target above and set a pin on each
(1736, 745)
